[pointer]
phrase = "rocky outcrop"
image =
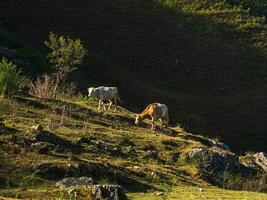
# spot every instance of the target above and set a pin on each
(73, 181)
(257, 161)
(206, 141)
(108, 192)
(215, 160)
(261, 160)
(215, 163)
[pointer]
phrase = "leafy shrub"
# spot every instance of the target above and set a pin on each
(11, 79)
(29, 181)
(66, 54)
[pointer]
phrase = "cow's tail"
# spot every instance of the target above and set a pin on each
(118, 98)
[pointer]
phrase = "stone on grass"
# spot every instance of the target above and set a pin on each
(108, 192)
(37, 128)
(73, 181)
(261, 160)
(42, 147)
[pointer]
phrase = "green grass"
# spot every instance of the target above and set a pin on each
(237, 36)
(193, 193)
(177, 178)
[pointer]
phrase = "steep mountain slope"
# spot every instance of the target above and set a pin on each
(205, 60)
(104, 145)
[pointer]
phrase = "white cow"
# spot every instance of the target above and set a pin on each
(103, 93)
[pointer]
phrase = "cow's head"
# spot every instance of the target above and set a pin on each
(91, 91)
(138, 119)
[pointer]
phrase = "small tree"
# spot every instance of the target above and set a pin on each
(11, 79)
(66, 54)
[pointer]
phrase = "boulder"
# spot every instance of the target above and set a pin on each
(257, 161)
(108, 192)
(54, 139)
(73, 181)
(215, 160)
(261, 160)
(215, 163)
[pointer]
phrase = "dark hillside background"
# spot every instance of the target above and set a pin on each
(210, 70)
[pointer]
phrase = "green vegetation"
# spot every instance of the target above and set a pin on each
(66, 54)
(120, 146)
(11, 79)
(205, 59)
(194, 193)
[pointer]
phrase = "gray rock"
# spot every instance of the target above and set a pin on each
(44, 136)
(150, 154)
(108, 192)
(73, 181)
(42, 147)
(261, 160)
(215, 160)
(218, 144)
(37, 128)
(206, 141)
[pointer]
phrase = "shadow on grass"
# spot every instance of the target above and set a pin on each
(98, 171)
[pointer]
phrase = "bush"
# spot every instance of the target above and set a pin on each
(43, 87)
(66, 54)
(68, 90)
(11, 79)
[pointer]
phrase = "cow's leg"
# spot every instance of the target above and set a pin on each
(110, 104)
(153, 127)
(162, 123)
(115, 103)
(99, 104)
(167, 120)
(103, 104)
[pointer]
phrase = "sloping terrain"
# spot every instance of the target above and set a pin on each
(205, 60)
(104, 145)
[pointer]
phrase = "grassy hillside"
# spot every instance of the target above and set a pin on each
(104, 145)
(205, 59)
